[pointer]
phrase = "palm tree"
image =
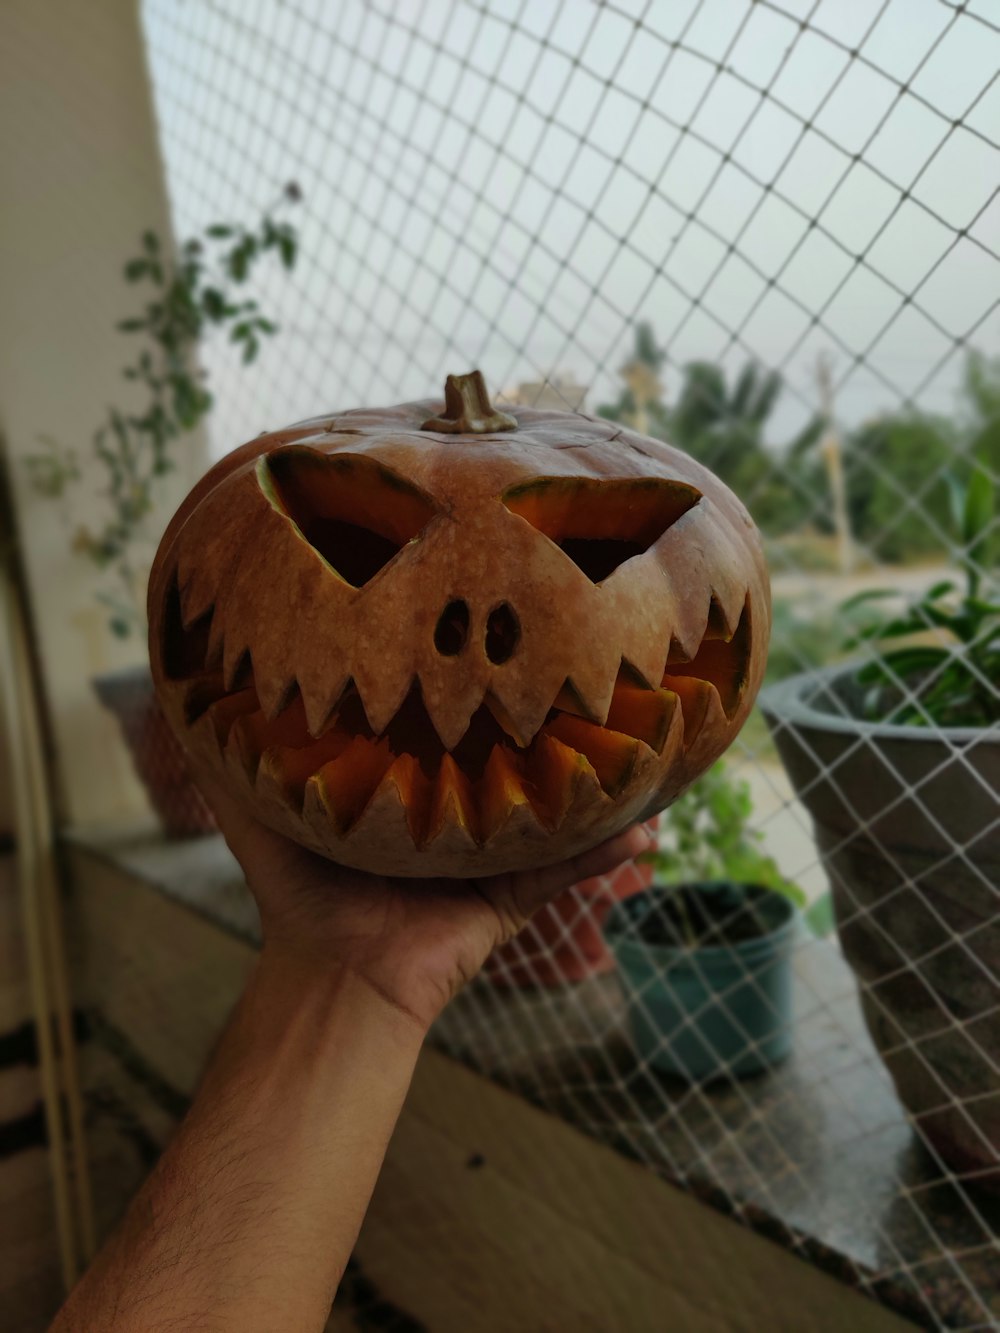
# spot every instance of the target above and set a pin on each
(723, 427)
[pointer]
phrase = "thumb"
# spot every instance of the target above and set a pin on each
(529, 891)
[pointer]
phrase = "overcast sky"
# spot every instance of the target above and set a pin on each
(515, 189)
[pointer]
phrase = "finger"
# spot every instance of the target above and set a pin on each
(531, 891)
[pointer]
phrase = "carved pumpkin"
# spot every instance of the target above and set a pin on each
(458, 642)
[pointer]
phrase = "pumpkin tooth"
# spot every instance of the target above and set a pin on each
(642, 656)
(678, 652)
(506, 721)
(217, 637)
(243, 744)
(451, 706)
(643, 713)
(287, 769)
(719, 624)
(593, 681)
(224, 712)
(696, 697)
(554, 773)
(346, 784)
(322, 705)
(192, 614)
(195, 589)
(237, 664)
(500, 792)
(200, 693)
(275, 693)
(527, 696)
(252, 733)
(721, 662)
(452, 802)
(568, 700)
(381, 698)
(386, 822)
(404, 783)
(611, 754)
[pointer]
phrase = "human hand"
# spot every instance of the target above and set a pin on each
(415, 941)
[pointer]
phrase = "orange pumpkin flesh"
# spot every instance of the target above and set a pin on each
(434, 652)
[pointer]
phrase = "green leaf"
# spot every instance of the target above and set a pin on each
(936, 617)
(869, 595)
(136, 269)
(939, 590)
(911, 623)
(905, 661)
(131, 325)
(214, 304)
(820, 917)
(956, 500)
(979, 505)
(219, 231)
(151, 242)
(120, 627)
(287, 249)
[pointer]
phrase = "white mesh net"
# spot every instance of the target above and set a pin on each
(768, 230)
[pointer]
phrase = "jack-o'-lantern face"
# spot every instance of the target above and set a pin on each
(457, 646)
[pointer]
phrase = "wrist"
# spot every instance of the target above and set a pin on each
(285, 984)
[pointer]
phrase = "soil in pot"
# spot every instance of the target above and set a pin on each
(706, 971)
(689, 917)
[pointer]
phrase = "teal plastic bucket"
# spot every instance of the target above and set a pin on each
(708, 1012)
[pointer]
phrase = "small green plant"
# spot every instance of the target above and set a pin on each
(191, 291)
(953, 680)
(706, 835)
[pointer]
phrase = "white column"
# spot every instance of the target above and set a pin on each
(80, 179)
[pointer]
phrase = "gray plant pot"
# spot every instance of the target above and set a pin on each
(907, 822)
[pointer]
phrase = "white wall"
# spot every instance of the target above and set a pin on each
(80, 178)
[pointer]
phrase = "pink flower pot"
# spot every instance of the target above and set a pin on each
(156, 753)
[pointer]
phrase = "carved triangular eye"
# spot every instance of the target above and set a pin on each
(601, 524)
(354, 511)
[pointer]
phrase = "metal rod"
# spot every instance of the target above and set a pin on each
(53, 940)
(28, 868)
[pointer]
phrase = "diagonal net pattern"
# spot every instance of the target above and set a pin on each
(769, 231)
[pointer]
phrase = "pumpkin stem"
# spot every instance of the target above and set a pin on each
(467, 408)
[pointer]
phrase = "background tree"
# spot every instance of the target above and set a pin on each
(897, 488)
(723, 427)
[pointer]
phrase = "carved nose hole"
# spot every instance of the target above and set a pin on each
(502, 634)
(452, 629)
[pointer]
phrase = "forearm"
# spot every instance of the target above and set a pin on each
(250, 1216)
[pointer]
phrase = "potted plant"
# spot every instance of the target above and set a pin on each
(898, 762)
(704, 954)
(190, 292)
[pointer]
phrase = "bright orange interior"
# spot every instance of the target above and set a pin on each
(598, 523)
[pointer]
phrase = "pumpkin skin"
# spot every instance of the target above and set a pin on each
(421, 651)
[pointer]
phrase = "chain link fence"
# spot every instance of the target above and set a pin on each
(767, 231)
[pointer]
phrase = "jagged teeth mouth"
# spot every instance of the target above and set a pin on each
(491, 771)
